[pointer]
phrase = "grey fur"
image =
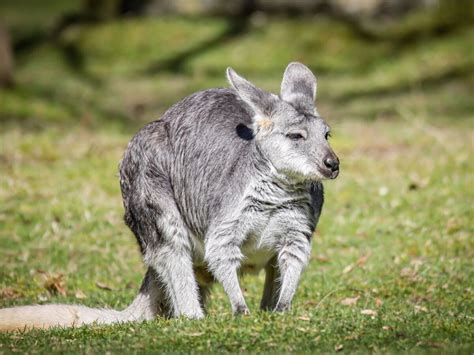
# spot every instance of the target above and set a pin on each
(228, 181)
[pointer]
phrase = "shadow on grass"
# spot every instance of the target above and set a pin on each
(236, 27)
(85, 112)
(73, 57)
(436, 79)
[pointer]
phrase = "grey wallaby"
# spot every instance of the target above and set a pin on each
(228, 181)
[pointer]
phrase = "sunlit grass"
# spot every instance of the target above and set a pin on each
(396, 232)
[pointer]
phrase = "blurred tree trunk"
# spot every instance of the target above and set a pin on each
(356, 8)
(108, 9)
(200, 7)
(6, 58)
(101, 9)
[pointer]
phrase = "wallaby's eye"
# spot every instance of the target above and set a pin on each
(328, 134)
(295, 136)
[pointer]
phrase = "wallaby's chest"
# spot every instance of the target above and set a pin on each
(256, 223)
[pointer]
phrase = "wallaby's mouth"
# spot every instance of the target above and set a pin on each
(328, 173)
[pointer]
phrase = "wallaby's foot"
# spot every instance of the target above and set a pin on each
(282, 307)
(241, 310)
(198, 314)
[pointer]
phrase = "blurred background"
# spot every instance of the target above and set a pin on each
(395, 81)
(89, 63)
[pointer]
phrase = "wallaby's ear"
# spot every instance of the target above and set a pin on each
(299, 87)
(259, 100)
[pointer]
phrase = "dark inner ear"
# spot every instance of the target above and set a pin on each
(298, 87)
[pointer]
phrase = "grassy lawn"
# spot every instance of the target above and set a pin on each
(391, 268)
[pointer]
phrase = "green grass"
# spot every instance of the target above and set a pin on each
(396, 230)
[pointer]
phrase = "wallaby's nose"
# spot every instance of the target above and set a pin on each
(331, 162)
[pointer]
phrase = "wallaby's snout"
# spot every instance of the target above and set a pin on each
(331, 164)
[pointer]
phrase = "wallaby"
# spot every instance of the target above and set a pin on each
(228, 181)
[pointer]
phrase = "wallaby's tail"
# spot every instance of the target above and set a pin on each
(144, 307)
(51, 315)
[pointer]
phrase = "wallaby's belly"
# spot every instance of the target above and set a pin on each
(256, 257)
(254, 253)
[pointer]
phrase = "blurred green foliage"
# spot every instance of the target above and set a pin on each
(399, 99)
(131, 69)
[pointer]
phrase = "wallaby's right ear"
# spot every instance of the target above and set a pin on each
(259, 100)
(299, 87)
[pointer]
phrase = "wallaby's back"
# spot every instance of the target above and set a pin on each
(203, 144)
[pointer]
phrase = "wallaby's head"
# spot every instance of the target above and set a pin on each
(287, 128)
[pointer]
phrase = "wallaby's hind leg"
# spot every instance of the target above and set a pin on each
(272, 285)
(152, 215)
(151, 300)
(171, 259)
(174, 268)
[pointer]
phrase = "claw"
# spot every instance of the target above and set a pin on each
(282, 307)
(241, 310)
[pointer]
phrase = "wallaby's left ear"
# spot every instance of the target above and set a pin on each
(299, 87)
(259, 100)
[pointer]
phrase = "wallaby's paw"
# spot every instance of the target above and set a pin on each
(241, 310)
(195, 315)
(282, 307)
